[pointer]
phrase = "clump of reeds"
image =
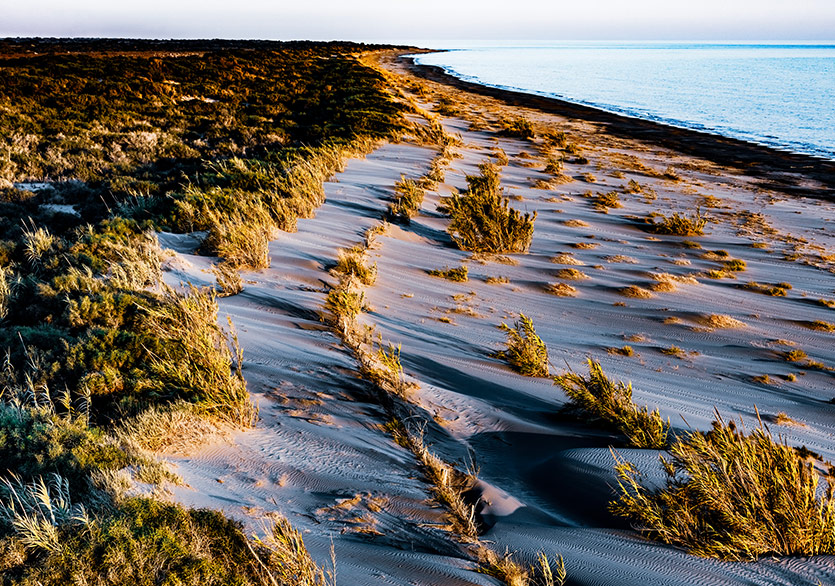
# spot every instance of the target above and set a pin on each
(601, 398)
(732, 495)
(526, 352)
(458, 274)
(677, 224)
(482, 219)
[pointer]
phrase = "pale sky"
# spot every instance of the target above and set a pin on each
(399, 21)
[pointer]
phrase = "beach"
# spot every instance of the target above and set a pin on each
(705, 335)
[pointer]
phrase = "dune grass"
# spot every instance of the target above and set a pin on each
(677, 224)
(732, 495)
(602, 399)
(481, 219)
(526, 352)
(457, 274)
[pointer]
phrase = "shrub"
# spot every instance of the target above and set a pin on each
(603, 201)
(482, 219)
(677, 224)
(526, 352)
(610, 402)
(517, 128)
(561, 289)
(571, 274)
(352, 262)
(457, 274)
(147, 542)
(736, 264)
(732, 495)
(407, 199)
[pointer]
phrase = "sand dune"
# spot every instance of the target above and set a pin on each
(319, 454)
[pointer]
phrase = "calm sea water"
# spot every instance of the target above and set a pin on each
(780, 95)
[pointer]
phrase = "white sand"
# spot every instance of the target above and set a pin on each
(319, 456)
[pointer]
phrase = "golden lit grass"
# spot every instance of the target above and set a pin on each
(571, 275)
(561, 290)
(458, 274)
(574, 223)
(526, 352)
(677, 224)
(481, 219)
(620, 258)
(732, 495)
(584, 245)
(352, 262)
(719, 321)
(610, 402)
(566, 259)
(635, 292)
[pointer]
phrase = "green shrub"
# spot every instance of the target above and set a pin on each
(147, 542)
(526, 352)
(734, 496)
(458, 274)
(482, 219)
(602, 399)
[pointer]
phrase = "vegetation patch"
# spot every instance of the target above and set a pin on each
(482, 219)
(526, 352)
(610, 402)
(677, 224)
(458, 274)
(732, 495)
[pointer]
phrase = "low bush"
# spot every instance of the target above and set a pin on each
(351, 262)
(458, 274)
(517, 128)
(732, 495)
(408, 197)
(603, 201)
(526, 352)
(677, 224)
(147, 542)
(610, 402)
(482, 219)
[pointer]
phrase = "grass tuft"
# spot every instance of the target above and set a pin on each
(610, 402)
(458, 274)
(526, 352)
(732, 495)
(482, 219)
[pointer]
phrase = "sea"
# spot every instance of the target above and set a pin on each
(780, 95)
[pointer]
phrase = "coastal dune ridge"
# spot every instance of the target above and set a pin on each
(316, 314)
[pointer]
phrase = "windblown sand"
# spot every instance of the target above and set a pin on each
(320, 456)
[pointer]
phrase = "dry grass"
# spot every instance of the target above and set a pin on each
(732, 495)
(611, 403)
(228, 279)
(458, 274)
(566, 259)
(482, 219)
(819, 325)
(621, 258)
(526, 352)
(635, 292)
(571, 275)
(720, 321)
(352, 262)
(575, 224)
(584, 245)
(677, 224)
(561, 290)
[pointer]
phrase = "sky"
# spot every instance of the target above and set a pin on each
(427, 21)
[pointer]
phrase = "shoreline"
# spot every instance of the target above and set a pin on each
(777, 169)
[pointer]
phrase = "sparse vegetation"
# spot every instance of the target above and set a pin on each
(732, 495)
(351, 262)
(561, 289)
(408, 197)
(610, 402)
(517, 128)
(526, 352)
(571, 274)
(458, 274)
(603, 201)
(482, 219)
(677, 224)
